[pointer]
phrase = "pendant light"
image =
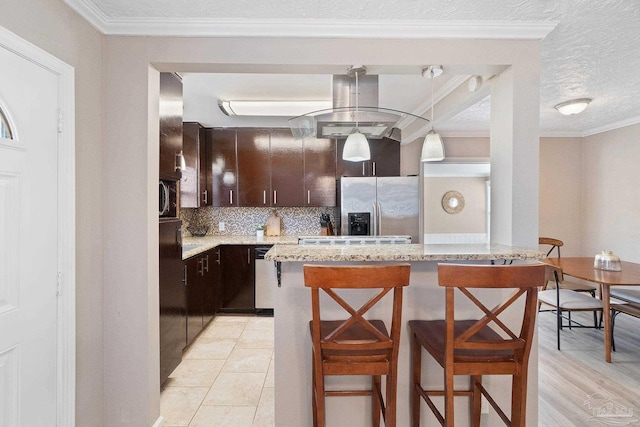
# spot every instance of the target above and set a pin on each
(432, 147)
(356, 147)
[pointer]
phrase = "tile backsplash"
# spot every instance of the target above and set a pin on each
(242, 221)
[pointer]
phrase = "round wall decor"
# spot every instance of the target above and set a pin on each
(453, 202)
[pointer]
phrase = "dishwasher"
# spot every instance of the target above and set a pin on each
(266, 282)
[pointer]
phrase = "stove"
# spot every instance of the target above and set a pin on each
(353, 240)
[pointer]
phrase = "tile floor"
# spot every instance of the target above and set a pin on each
(225, 378)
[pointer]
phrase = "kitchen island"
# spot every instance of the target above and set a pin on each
(423, 299)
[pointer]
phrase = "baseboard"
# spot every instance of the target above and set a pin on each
(159, 422)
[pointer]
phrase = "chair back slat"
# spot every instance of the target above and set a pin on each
(554, 243)
(382, 277)
(525, 279)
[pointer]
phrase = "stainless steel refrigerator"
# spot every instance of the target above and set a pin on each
(392, 204)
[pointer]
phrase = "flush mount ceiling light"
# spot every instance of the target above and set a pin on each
(271, 108)
(356, 147)
(572, 107)
(432, 147)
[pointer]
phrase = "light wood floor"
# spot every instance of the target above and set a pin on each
(576, 380)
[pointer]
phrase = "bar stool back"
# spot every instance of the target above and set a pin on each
(473, 347)
(356, 345)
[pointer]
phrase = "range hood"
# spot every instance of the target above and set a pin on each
(340, 121)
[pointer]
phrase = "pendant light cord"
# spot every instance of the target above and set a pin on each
(432, 100)
(356, 99)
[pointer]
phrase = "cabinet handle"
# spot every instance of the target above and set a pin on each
(206, 196)
(362, 168)
(184, 275)
(308, 197)
(275, 197)
(248, 255)
(230, 197)
(264, 197)
(373, 167)
(207, 267)
(201, 267)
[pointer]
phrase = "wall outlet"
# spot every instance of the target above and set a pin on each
(484, 406)
(221, 226)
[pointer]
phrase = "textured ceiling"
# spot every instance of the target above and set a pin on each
(593, 52)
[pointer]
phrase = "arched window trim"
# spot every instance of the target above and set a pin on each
(6, 129)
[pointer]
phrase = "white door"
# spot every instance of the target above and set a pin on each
(28, 242)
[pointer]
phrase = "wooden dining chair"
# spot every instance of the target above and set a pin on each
(556, 244)
(486, 346)
(356, 345)
(562, 300)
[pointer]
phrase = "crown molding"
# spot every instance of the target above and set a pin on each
(309, 28)
(613, 126)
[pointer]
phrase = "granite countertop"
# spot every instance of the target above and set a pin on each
(203, 244)
(412, 252)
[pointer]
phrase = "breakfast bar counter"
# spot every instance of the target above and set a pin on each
(423, 299)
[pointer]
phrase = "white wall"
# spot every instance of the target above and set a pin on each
(561, 210)
(53, 27)
(610, 195)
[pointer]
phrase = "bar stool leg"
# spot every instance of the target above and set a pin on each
(476, 400)
(449, 408)
(416, 366)
(376, 387)
(390, 406)
(519, 400)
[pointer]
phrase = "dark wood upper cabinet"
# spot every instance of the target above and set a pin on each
(193, 184)
(253, 167)
(170, 126)
(385, 160)
(319, 172)
(287, 169)
(222, 167)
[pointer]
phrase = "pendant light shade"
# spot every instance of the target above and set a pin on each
(432, 148)
(356, 148)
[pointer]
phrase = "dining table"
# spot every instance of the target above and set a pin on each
(582, 268)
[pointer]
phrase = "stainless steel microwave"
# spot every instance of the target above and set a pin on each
(168, 198)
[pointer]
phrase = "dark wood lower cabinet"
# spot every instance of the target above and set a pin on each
(202, 290)
(237, 276)
(172, 298)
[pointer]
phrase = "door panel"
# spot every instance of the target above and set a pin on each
(253, 167)
(319, 172)
(287, 174)
(28, 243)
(222, 167)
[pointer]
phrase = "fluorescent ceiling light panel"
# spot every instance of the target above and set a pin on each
(271, 108)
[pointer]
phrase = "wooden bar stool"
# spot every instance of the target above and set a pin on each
(355, 345)
(472, 347)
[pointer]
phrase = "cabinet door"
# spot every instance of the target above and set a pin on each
(170, 126)
(193, 184)
(195, 295)
(287, 169)
(347, 168)
(211, 285)
(385, 157)
(253, 168)
(237, 268)
(319, 172)
(385, 160)
(221, 164)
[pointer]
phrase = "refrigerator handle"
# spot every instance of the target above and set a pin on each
(379, 221)
(374, 228)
